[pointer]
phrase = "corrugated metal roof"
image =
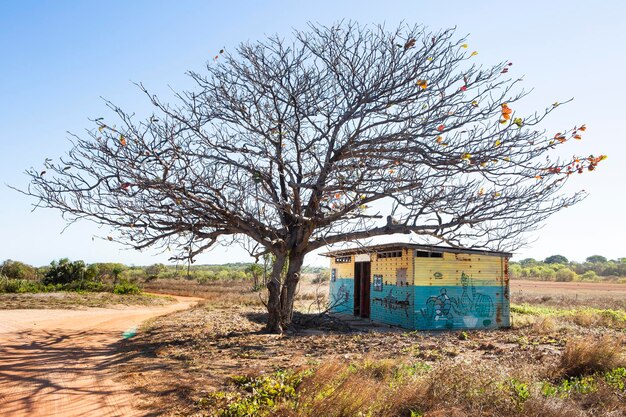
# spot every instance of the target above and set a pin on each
(430, 248)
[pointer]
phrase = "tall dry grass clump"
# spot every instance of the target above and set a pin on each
(587, 356)
(391, 388)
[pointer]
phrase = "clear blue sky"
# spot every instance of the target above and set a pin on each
(57, 58)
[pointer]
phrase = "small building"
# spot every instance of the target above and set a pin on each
(421, 287)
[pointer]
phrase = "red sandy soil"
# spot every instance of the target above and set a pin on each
(61, 362)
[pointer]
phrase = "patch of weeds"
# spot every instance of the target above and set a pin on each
(585, 317)
(570, 386)
(616, 378)
(257, 396)
(521, 391)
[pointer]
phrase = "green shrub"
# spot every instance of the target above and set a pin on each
(589, 276)
(17, 270)
(125, 287)
(20, 286)
(566, 274)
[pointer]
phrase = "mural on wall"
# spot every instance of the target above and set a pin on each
(471, 306)
(341, 296)
(391, 302)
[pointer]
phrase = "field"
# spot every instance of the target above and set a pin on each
(75, 300)
(563, 356)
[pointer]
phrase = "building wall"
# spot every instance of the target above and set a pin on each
(457, 291)
(341, 298)
(461, 291)
(392, 303)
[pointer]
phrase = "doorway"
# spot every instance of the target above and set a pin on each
(362, 289)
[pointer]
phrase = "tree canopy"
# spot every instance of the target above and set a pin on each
(556, 259)
(596, 259)
(286, 146)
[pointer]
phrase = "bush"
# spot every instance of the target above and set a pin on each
(64, 271)
(566, 274)
(586, 356)
(125, 287)
(17, 270)
(20, 286)
(589, 276)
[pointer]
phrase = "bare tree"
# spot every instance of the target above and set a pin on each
(285, 145)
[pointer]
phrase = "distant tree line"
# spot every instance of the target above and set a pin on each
(559, 268)
(69, 275)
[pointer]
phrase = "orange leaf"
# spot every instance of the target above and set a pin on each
(422, 84)
(582, 128)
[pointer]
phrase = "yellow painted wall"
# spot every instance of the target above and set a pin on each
(483, 269)
(344, 270)
(387, 267)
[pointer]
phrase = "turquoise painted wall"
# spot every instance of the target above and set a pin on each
(458, 307)
(393, 305)
(429, 307)
(342, 296)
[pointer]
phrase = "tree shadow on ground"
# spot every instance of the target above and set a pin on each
(70, 371)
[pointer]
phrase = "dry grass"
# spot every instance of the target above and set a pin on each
(378, 374)
(588, 356)
(74, 300)
(220, 294)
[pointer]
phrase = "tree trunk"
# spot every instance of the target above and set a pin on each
(290, 286)
(274, 321)
(282, 294)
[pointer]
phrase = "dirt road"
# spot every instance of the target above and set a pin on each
(61, 362)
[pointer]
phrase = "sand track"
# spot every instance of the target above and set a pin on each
(62, 362)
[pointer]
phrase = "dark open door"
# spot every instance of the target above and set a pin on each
(362, 289)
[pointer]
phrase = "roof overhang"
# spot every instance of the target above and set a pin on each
(397, 246)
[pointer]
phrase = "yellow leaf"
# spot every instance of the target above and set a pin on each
(475, 103)
(506, 158)
(474, 53)
(430, 58)
(466, 156)
(498, 143)
(439, 139)
(464, 45)
(481, 192)
(101, 128)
